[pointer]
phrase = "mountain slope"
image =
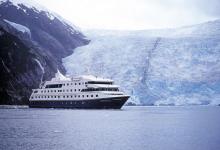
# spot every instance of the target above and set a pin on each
(49, 31)
(18, 69)
(156, 67)
(45, 39)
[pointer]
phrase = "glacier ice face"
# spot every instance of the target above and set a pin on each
(113, 60)
(180, 68)
(185, 71)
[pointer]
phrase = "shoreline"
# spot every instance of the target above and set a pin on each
(14, 106)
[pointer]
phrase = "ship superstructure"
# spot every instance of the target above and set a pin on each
(87, 92)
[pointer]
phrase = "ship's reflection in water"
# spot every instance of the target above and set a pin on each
(134, 128)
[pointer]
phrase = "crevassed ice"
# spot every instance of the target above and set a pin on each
(181, 69)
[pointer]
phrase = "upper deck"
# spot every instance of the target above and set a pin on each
(87, 81)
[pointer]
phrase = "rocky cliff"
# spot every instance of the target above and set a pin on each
(33, 43)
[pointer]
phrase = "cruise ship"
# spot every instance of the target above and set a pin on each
(83, 92)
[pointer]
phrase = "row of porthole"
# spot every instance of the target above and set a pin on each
(67, 84)
(64, 96)
(67, 90)
(62, 102)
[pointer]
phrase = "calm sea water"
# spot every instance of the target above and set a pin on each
(132, 128)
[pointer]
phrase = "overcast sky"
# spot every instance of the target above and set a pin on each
(134, 14)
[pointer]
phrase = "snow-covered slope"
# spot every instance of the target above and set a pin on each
(28, 3)
(32, 4)
(160, 67)
(19, 27)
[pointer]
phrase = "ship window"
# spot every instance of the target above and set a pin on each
(41, 91)
(100, 89)
(75, 95)
(79, 89)
(79, 84)
(44, 91)
(91, 95)
(67, 90)
(63, 90)
(58, 96)
(35, 91)
(67, 96)
(48, 96)
(79, 96)
(51, 90)
(99, 82)
(75, 83)
(55, 97)
(53, 86)
(87, 95)
(67, 84)
(82, 95)
(51, 96)
(48, 91)
(75, 90)
(63, 84)
(32, 97)
(96, 95)
(54, 90)
(71, 96)
(71, 83)
(71, 90)
(45, 96)
(64, 96)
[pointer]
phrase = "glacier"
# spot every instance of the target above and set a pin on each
(156, 67)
